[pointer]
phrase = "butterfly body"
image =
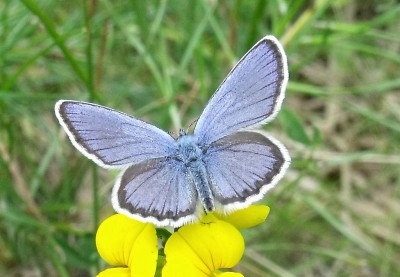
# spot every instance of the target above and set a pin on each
(191, 155)
(225, 165)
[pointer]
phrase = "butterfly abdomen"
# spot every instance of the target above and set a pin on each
(198, 174)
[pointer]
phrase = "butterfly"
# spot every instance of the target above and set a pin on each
(226, 163)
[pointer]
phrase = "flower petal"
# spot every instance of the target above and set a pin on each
(115, 272)
(229, 274)
(121, 240)
(201, 248)
(248, 217)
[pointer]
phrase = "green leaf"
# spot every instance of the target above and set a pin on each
(294, 127)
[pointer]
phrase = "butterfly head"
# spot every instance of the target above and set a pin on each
(182, 133)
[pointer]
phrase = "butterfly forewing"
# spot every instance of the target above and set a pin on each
(251, 94)
(242, 167)
(157, 191)
(111, 138)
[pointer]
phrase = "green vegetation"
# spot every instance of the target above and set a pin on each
(336, 213)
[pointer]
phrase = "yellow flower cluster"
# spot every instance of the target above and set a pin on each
(200, 249)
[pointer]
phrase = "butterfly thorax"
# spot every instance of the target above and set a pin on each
(191, 154)
(188, 149)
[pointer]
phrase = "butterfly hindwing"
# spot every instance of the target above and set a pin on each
(157, 191)
(243, 166)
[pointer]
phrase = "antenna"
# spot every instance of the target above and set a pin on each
(193, 122)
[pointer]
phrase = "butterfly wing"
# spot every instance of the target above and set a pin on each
(157, 191)
(110, 138)
(251, 94)
(243, 166)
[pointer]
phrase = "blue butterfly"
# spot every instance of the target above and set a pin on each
(224, 165)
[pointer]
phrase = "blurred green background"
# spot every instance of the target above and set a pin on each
(337, 211)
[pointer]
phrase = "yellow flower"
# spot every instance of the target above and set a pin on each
(129, 244)
(248, 217)
(115, 272)
(202, 249)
